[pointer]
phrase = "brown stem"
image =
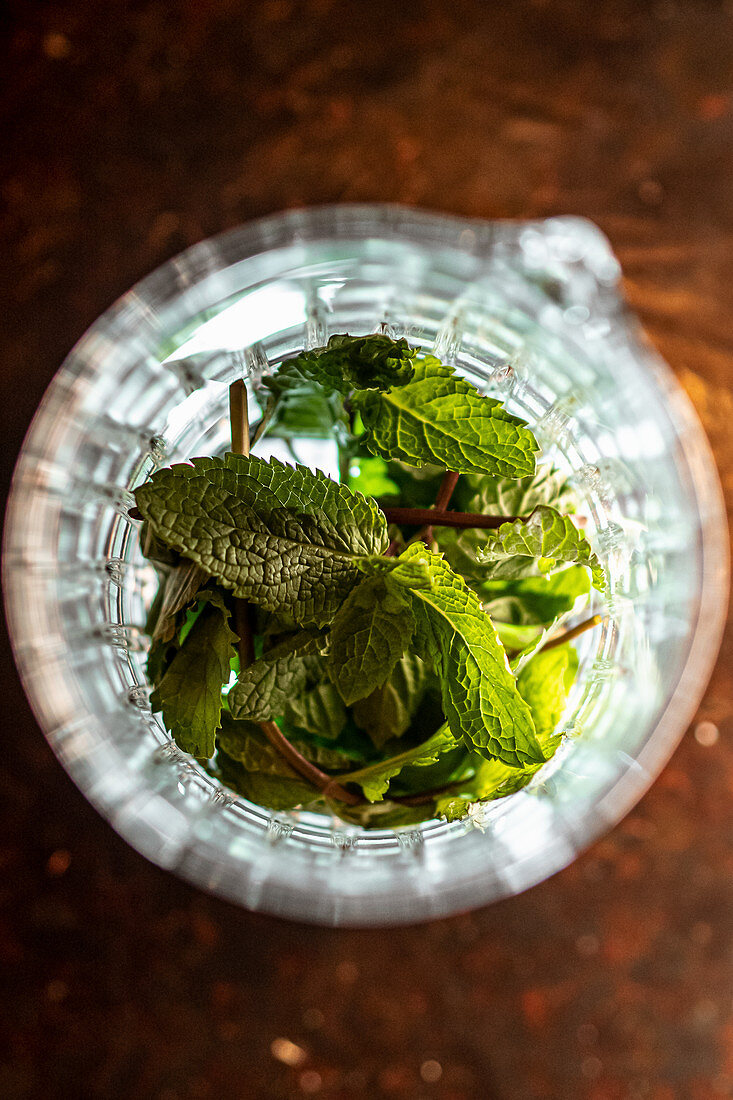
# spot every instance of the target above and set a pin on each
(264, 420)
(445, 492)
(414, 517)
(568, 635)
(325, 783)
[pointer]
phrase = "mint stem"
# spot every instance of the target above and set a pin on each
(414, 517)
(568, 635)
(325, 783)
(445, 492)
(264, 420)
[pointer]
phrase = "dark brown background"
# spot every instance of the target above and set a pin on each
(134, 129)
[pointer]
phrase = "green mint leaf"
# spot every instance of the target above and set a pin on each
(245, 742)
(319, 710)
(160, 655)
(265, 687)
(463, 550)
(374, 779)
(491, 780)
(352, 743)
(324, 756)
(388, 711)
(417, 486)
(154, 550)
(371, 631)
(537, 601)
(442, 419)
(164, 648)
(535, 644)
(448, 769)
(285, 538)
(529, 612)
(544, 683)
(518, 496)
(370, 475)
(410, 574)
(480, 697)
(189, 692)
(178, 591)
(504, 496)
(538, 545)
(515, 636)
(305, 410)
(348, 363)
(274, 792)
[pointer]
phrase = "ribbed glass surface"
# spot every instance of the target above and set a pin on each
(531, 313)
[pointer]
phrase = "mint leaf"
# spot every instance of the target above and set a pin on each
(374, 779)
(264, 688)
(154, 550)
(163, 649)
(351, 742)
(442, 419)
(280, 536)
(189, 693)
(518, 496)
(178, 591)
(160, 656)
(417, 486)
(347, 363)
(537, 600)
(535, 644)
(245, 742)
(319, 710)
(448, 769)
(274, 792)
(491, 780)
(535, 607)
(544, 683)
(480, 697)
(371, 631)
(487, 495)
(305, 410)
(538, 545)
(371, 477)
(388, 711)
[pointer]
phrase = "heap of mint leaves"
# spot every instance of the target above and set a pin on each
(357, 647)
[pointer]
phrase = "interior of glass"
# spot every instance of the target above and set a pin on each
(531, 314)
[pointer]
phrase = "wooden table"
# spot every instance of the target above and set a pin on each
(133, 130)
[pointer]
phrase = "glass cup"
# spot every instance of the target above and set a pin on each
(529, 311)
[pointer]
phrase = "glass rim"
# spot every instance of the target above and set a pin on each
(426, 229)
